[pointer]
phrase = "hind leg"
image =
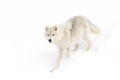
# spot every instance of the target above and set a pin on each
(86, 37)
(68, 52)
(89, 43)
(76, 47)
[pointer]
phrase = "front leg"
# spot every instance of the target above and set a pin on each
(59, 60)
(68, 52)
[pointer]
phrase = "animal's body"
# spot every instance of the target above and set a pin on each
(70, 33)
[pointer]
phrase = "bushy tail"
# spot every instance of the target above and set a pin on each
(94, 29)
(103, 36)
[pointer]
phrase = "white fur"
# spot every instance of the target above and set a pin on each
(70, 33)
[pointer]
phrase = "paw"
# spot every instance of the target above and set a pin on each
(88, 48)
(52, 70)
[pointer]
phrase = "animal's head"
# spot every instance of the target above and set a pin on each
(52, 34)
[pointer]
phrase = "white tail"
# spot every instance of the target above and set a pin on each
(94, 29)
(102, 37)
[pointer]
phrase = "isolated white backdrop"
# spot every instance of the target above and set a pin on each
(26, 55)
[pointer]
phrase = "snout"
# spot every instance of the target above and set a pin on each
(50, 40)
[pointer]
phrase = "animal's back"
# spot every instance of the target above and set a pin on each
(76, 25)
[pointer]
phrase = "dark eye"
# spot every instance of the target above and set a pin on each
(53, 34)
(48, 35)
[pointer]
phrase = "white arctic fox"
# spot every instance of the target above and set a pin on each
(70, 33)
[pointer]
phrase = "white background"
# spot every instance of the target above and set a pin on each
(26, 55)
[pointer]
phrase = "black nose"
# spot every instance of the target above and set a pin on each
(50, 40)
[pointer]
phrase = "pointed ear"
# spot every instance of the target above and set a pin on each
(46, 28)
(55, 28)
